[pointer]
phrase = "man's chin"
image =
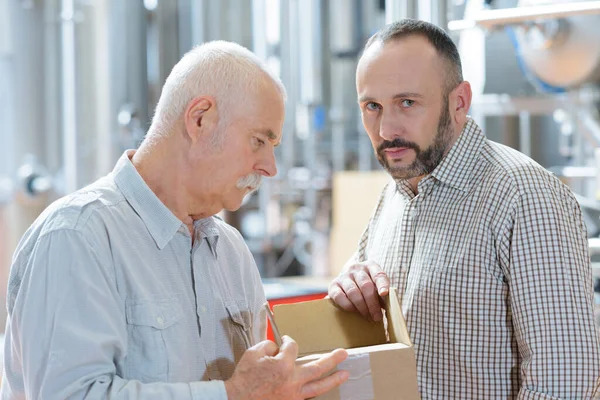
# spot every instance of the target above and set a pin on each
(248, 192)
(231, 206)
(398, 170)
(403, 173)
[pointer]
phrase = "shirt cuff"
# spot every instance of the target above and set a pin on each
(212, 390)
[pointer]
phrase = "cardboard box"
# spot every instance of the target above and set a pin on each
(355, 195)
(381, 358)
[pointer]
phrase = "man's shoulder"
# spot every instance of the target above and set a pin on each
(67, 215)
(74, 210)
(505, 165)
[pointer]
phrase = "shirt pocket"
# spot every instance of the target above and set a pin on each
(239, 327)
(148, 323)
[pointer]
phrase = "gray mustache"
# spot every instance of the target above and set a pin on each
(252, 181)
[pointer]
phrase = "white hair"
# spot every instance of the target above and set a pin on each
(224, 70)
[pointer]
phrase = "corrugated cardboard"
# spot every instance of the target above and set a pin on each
(381, 361)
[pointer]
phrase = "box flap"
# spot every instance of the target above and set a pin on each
(320, 326)
(396, 325)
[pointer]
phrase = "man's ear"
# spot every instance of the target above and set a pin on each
(201, 118)
(460, 102)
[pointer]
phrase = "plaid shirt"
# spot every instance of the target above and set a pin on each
(491, 262)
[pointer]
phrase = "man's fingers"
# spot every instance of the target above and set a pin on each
(265, 348)
(316, 388)
(288, 350)
(382, 282)
(369, 293)
(315, 369)
(337, 294)
(361, 287)
(354, 294)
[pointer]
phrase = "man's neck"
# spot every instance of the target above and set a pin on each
(163, 171)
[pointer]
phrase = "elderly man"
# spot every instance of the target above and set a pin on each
(487, 249)
(132, 288)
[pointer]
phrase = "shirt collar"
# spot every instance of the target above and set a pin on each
(159, 220)
(206, 228)
(456, 169)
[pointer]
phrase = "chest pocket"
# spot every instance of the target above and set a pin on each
(239, 327)
(151, 326)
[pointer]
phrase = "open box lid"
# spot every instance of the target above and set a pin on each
(320, 326)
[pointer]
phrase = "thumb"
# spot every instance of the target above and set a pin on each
(266, 348)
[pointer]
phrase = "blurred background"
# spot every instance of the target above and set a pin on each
(79, 80)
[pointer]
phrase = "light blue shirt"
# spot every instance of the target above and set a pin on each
(107, 298)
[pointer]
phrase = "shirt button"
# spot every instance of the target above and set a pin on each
(203, 309)
(160, 321)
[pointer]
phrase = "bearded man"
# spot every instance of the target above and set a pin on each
(486, 249)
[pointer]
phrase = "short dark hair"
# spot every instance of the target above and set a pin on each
(438, 38)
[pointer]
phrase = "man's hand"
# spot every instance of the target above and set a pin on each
(266, 372)
(360, 287)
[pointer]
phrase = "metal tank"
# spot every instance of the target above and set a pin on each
(562, 52)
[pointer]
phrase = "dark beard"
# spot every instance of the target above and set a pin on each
(425, 160)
